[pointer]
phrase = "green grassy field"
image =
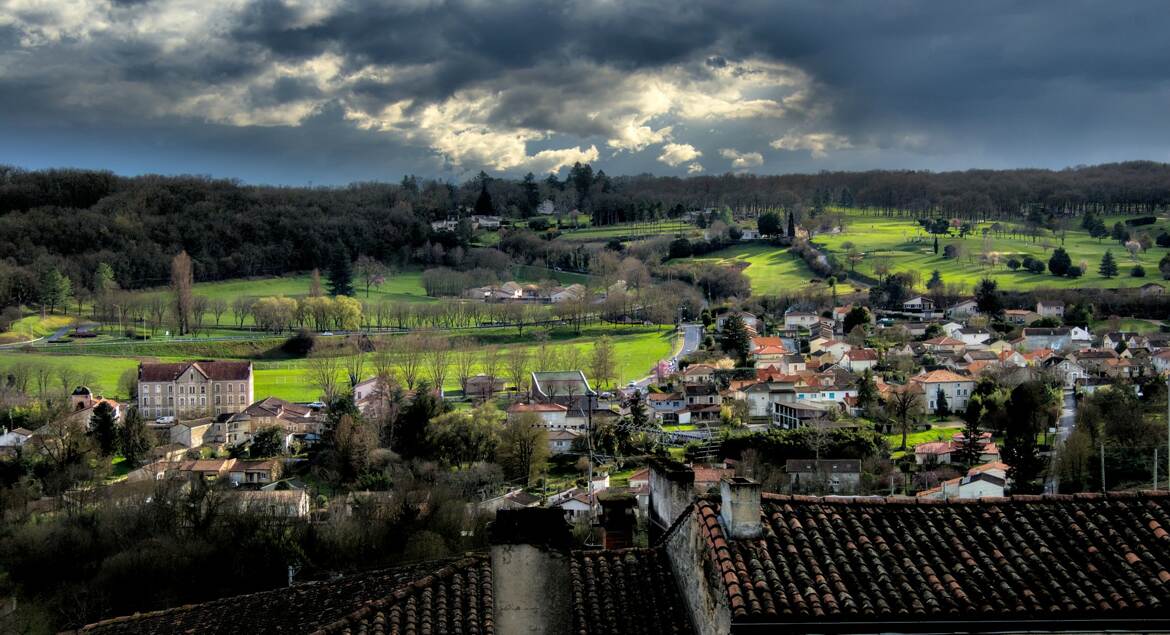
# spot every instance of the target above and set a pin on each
(402, 286)
(771, 270)
(907, 247)
(637, 350)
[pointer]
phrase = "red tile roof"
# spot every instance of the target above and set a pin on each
(890, 560)
(431, 597)
(938, 376)
(626, 591)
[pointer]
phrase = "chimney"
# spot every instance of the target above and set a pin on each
(672, 488)
(530, 571)
(618, 520)
(740, 507)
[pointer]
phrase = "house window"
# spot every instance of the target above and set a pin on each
(217, 388)
(157, 389)
(230, 387)
(170, 389)
(217, 400)
(242, 389)
(203, 389)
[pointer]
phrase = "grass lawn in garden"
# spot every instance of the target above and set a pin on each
(771, 270)
(936, 433)
(907, 247)
(1135, 325)
(120, 469)
(34, 326)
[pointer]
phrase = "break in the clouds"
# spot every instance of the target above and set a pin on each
(333, 91)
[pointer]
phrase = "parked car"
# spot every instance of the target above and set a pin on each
(316, 405)
(327, 333)
(165, 420)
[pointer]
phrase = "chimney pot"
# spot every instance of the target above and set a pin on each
(740, 507)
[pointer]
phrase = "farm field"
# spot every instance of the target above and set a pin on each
(636, 350)
(770, 269)
(908, 247)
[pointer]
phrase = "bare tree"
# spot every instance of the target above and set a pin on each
(218, 308)
(436, 350)
(324, 372)
(182, 286)
(465, 354)
(241, 309)
(315, 284)
(409, 355)
(355, 366)
(199, 305)
(491, 365)
(902, 405)
(518, 367)
(603, 363)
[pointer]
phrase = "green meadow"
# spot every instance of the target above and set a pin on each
(771, 270)
(637, 350)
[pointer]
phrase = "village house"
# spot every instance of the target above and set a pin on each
(1050, 309)
(797, 318)
(1020, 317)
(1114, 340)
(12, 440)
(701, 395)
(859, 360)
(945, 346)
(1058, 338)
(698, 373)
(749, 319)
(976, 485)
(826, 476)
(481, 387)
(1067, 369)
(296, 422)
(189, 434)
(768, 351)
(553, 416)
(561, 441)
(189, 390)
(918, 304)
(290, 503)
(956, 388)
(963, 309)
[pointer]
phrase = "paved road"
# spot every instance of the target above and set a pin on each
(692, 337)
(1064, 427)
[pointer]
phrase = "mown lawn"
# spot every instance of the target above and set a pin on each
(402, 286)
(907, 247)
(771, 270)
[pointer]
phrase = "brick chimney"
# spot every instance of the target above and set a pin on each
(740, 507)
(618, 520)
(530, 571)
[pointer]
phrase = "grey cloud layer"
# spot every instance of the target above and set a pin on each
(452, 87)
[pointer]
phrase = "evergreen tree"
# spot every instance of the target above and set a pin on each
(103, 427)
(638, 416)
(936, 281)
(867, 392)
(55, 289)
(341, 273)
(936, 246)
(941, 408)
(1029, 410)
(736, 337)
(1060, 262)
(987, 298)
(791, 225)
(483, 204)
(857, 316)
(769, 224)
(972, 415)
(133, 437)
(1108, 268)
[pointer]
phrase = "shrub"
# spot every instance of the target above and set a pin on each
(538, 224)
(300, 344)
(1138, 271)
(1074, 272)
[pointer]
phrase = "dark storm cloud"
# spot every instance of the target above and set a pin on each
(904, 84)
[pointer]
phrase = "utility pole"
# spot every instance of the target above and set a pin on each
(1155, 469)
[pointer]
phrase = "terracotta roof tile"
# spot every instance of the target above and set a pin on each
(626, 591)
(902, 559)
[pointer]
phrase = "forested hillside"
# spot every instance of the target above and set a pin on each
(72, 220)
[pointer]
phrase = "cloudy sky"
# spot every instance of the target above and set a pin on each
(328, 91)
